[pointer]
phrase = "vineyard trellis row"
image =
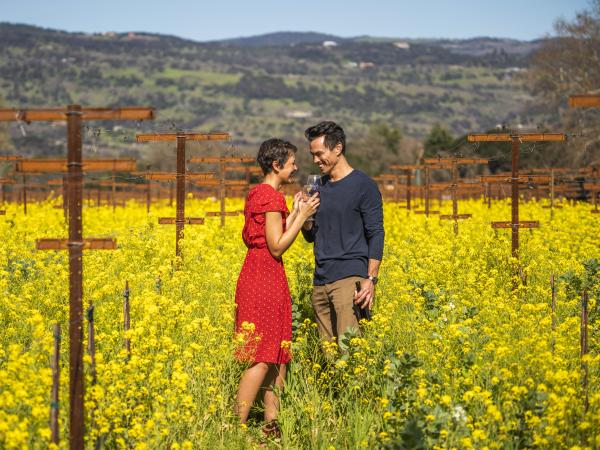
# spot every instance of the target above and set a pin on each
(75, 115)
(72, 202)
(222, 182)
(453, 164)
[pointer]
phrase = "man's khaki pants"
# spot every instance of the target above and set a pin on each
(333, 307)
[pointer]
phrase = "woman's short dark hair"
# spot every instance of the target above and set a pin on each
(274, 150)
(334, 134)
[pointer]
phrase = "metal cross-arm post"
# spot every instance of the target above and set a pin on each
(180, 176)
(428, 167)
(515, 139)
(586, 101)
(453, 164)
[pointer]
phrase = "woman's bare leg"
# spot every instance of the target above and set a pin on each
(250, 383)
(275, 378)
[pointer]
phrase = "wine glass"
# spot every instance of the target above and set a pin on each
(315, 180)
(313, 184)
(308, 190)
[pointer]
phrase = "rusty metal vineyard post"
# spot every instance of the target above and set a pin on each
(453, 164)
(5, 181)
(384, 180)
(126, 321)
(552, 205)
(148, 190)
(92, 353)
(584, 348)
(553, 187)
(408, 171)
(75, 115)
(247, 170)
(92, 342)
(222, 183)
(114, 188)
(54, 402)
(24, 193)
(553, 307)
(427, 210)
(180, 176)
(586, 101)
(515, 139)
(593, 189)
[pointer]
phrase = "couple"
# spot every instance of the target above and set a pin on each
(348, 235)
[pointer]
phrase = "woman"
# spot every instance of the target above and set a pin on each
(263, 301)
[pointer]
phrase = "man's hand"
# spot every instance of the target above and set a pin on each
(308, 224)
(364, 298)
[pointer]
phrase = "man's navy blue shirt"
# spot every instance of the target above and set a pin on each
(348, 228)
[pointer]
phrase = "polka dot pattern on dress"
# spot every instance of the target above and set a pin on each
(262, 294)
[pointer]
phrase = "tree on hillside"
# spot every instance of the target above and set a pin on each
(377, 149)
(385, 138)
(565, 65)
(438, 140)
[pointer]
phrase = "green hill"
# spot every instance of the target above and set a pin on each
(265, 87)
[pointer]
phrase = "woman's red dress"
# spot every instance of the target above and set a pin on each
(262, 295)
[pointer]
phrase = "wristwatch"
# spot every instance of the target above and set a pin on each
(374, 280)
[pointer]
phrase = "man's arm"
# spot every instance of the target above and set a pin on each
(371, 208)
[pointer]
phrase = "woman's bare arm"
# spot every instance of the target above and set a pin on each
(279, 241)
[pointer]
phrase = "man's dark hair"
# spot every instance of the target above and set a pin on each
(334, 134)
(274, 150)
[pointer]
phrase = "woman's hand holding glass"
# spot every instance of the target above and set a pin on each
(297, 199)
(310, 191)
(308, 205)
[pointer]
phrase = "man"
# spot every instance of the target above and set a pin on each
(347, 232)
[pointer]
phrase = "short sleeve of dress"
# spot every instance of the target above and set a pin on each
(270, 200)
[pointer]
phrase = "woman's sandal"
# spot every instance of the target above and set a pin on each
(271, 430)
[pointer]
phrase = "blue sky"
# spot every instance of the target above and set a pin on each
(218, 19)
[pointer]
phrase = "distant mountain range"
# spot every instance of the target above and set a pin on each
(282, 38)
(476, 46)
(270, 85)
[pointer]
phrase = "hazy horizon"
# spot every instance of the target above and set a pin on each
(231, 19)
(422, 38)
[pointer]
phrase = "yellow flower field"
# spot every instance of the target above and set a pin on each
(454, 358)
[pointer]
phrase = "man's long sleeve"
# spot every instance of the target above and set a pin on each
(371, 209)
